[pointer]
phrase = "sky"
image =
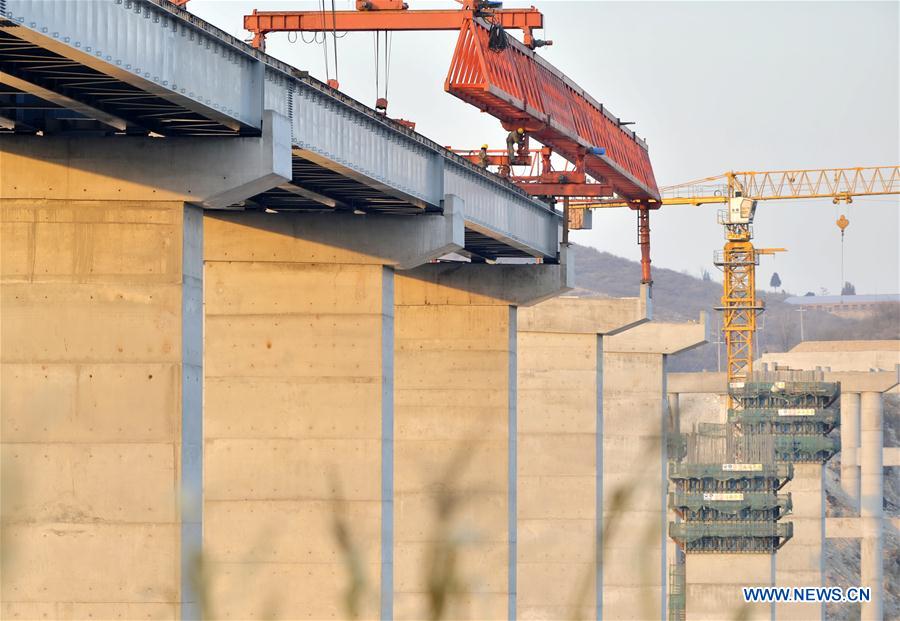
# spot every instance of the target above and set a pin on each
(712, 86)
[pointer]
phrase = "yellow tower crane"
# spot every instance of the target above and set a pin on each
(740, 192)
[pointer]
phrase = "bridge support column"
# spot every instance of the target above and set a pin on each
(871, 504)
(299, 407)
(715, 582)
(560, 405)
(455, 426)
(850, 446)
(801, 562)
(101, 346)
(634, 462)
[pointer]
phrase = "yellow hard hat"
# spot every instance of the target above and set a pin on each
(521, 130)
(484, 146)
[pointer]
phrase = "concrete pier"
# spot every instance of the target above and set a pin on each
(850, 404)
(560, 383)
(714, 583)
(293, 331)
(634, 460)
(455, 434)
(801, 562)
(101, 366)
(872, 504)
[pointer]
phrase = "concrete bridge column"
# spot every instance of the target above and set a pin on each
(715, 582)
(299, 408)
(455, 435)
(801, 562)
(101, 377)
(560, 384)
(871, 504)
(850, 402)
(634, 461)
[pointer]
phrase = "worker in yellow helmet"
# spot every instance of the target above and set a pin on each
(483, 156)
(515, 138)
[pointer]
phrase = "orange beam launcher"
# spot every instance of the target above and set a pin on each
(261, 23)
(523, 90)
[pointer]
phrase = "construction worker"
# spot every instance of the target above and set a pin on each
(483, 156)
(515, 140)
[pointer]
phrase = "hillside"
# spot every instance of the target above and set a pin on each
(679, 297)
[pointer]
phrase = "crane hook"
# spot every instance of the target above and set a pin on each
(842, 223)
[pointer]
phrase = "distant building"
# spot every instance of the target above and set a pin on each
(855, 306)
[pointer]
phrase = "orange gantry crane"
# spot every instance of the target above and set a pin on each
(390, 16)
(740, 192)
(532, 99)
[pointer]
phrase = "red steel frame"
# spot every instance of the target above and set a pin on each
(541, 179)
(261, 23)
(522, 90)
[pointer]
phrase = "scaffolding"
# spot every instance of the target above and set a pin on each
(729, 507)
(796, 409)
(677, 583)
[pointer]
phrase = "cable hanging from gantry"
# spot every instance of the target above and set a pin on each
(334, 40)
(381, 97)
(323, 13)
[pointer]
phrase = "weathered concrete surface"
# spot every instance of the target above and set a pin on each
(871, 504)
(559, 405)
(455, 358)
(801, 562)
(586, 315)
(298, 384)
(92, 372)
(714, 583)
(850, 445)
(634, 461)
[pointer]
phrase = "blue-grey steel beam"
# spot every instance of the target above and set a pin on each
(153, 46)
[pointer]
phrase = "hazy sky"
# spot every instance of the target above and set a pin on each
(713, 86)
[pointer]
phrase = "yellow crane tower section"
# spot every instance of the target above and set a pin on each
(740, 192)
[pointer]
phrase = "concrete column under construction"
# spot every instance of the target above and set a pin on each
(715, 582)
(871, 503)
(850, 403)
(801, 561)
(455, 435)
(101, 366)
(299, 368)
(633, 559)
(559, 408)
